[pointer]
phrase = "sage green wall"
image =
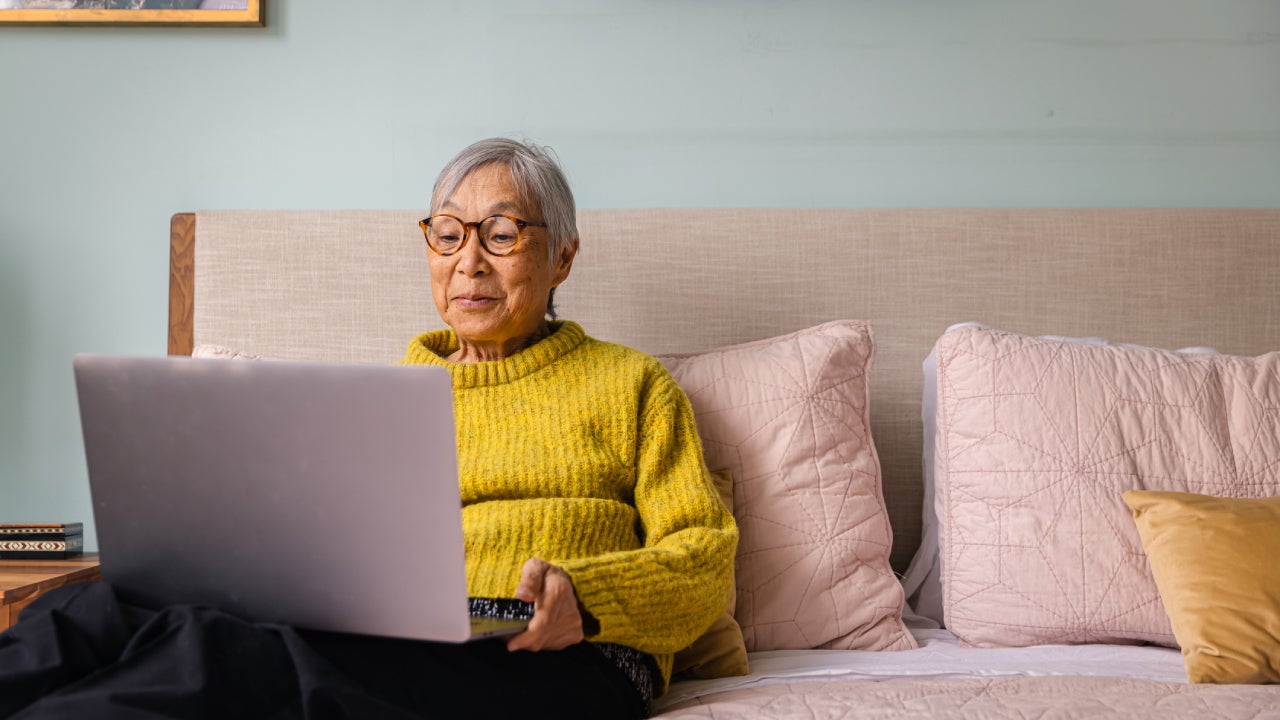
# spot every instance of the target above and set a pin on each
(108, 131)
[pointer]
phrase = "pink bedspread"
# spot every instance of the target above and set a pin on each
(1015, 698)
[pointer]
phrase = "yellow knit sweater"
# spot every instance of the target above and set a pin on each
(585, 454)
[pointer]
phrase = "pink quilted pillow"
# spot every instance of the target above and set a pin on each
(788, 416)
(1038, 440)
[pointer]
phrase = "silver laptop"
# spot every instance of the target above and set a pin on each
(318, 495)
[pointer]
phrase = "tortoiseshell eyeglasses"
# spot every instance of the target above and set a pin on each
(499, 234)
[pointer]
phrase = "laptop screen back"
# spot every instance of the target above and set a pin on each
(315, 494)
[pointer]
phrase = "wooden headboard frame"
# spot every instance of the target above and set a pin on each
(182, 275)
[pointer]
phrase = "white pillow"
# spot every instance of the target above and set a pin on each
(922, 582)
(209, 350)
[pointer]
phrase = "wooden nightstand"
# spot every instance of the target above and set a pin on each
(22, 581)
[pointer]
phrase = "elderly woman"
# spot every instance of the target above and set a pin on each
(583, 485)
(584, 494)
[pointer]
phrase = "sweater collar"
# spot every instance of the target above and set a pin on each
(431, 348)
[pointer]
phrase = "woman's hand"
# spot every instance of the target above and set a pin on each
(556, 622)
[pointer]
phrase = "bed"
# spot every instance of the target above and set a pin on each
(892, 473)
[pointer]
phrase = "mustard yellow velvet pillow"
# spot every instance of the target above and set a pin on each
(1215, 562)
(720, 651)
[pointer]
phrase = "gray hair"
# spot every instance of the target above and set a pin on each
(538, 179)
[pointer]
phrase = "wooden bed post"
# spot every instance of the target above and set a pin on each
(182, 255)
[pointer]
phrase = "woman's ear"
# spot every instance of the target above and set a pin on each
(564, 262)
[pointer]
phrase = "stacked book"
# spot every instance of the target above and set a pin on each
(35, 541)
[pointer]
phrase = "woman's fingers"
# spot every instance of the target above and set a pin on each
(531, 578)
(556, 622)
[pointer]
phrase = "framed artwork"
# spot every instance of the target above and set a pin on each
(242, 13)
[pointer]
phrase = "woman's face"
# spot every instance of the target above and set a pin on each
(495, 302)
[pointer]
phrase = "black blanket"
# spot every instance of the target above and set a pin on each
(78, 652)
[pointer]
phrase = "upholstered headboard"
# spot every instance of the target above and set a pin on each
(353, 285)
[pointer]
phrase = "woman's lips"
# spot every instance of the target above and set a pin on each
(473, 302)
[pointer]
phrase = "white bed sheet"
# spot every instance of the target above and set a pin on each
(940, 656)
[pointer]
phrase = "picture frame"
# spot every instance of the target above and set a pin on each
(225, 13)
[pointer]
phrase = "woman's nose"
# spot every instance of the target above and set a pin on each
(471, 256)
